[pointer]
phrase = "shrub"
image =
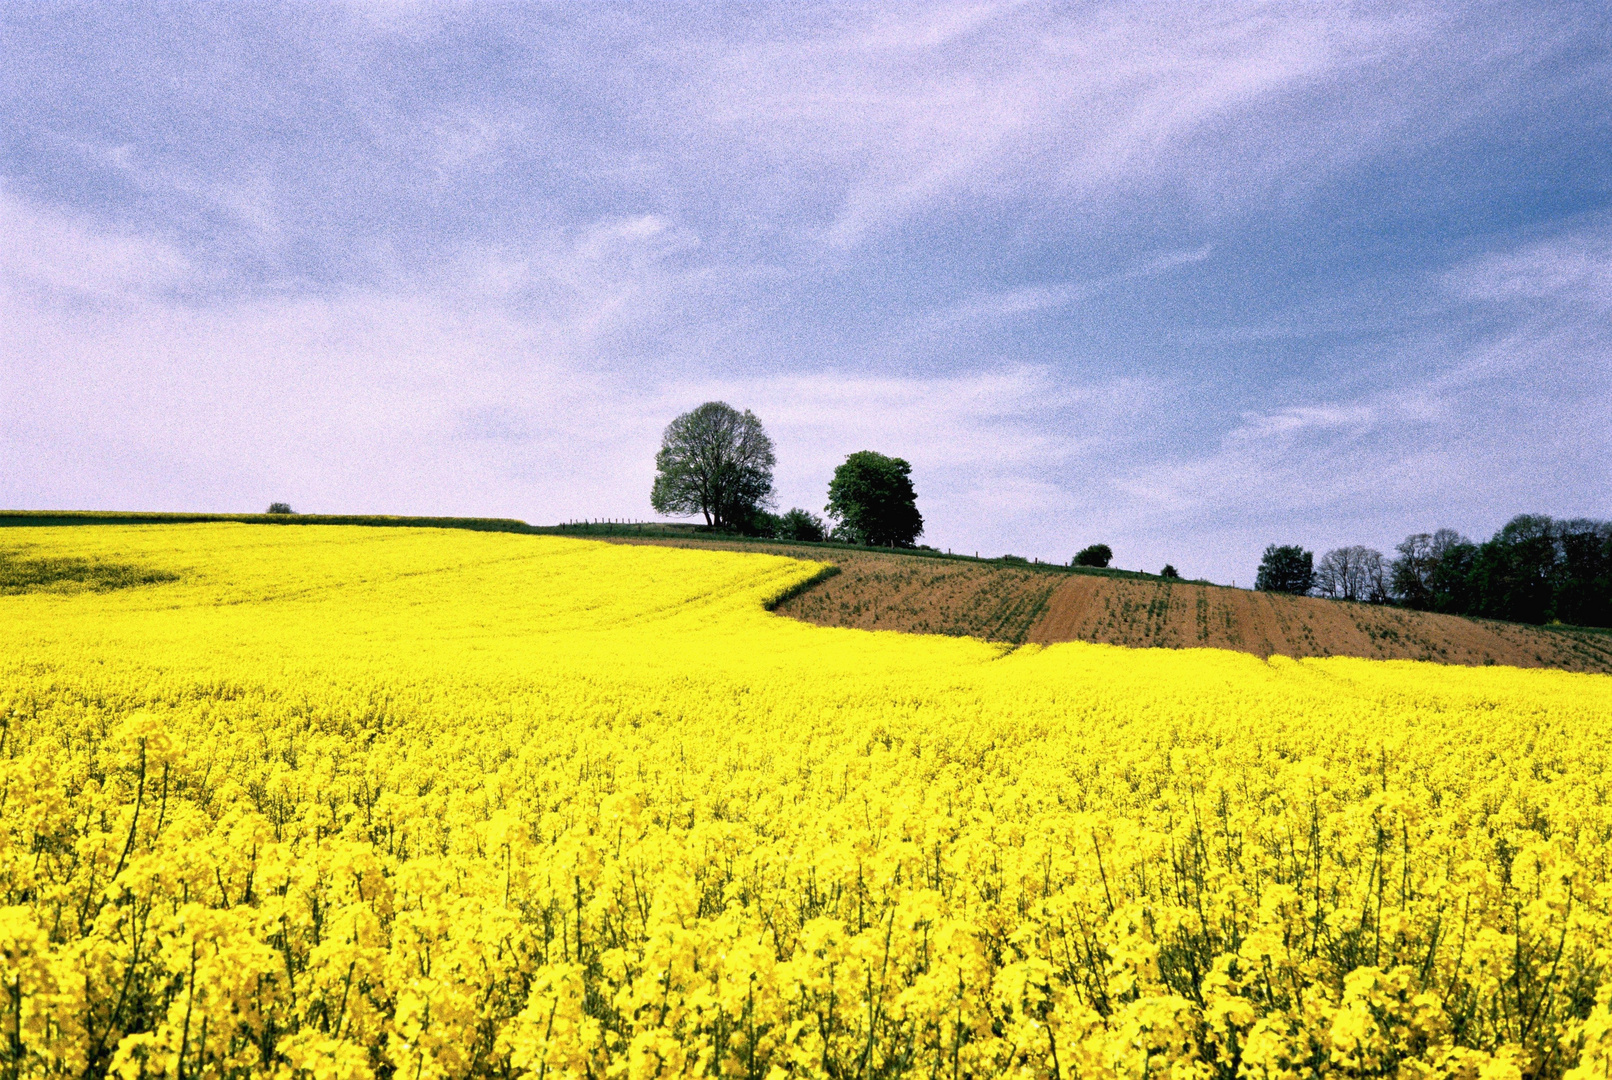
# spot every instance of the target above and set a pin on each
(280, 508)
(1098, 555)
(750, 521)
(798, 524)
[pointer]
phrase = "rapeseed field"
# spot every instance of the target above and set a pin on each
(345, 802)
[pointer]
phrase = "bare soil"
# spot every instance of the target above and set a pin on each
(877, 590)
(884, 591)
(1176, 615)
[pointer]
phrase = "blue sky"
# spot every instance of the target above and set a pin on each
(1186, 285)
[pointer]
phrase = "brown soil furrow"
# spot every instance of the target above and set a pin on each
(1270, 624)
(1016, 604)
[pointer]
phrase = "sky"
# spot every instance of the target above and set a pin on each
(1183, 280)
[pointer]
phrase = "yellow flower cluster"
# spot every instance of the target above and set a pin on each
(345, 802)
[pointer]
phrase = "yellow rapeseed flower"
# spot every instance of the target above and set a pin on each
(345, 803)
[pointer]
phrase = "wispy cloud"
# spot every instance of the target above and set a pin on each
(1463, 431)
(1577, 268)
(1182, 283)
(46, 250)
(1029, 300)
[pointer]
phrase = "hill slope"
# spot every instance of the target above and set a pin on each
(433, 802)
(1043, 605)
(1019, 603)
(1177, 615)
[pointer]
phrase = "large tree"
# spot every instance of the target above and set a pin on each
(716, 461)
(1353, 573)
(1419, 556)
(872, 501)
(1286, 568)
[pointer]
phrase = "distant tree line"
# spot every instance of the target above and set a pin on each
(717, 462)
(1536, 569)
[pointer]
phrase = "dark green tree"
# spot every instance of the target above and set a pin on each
(1516, 573)
(1535, 569)
(757, 522)
(1452, 582)
(715, 461)
(871, 501)
(1286, 568)
(1170, 572)
(1098, 555)
(1584, 597)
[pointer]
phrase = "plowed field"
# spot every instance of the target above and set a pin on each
(915, 595)
(876, 591)
(1183, 616)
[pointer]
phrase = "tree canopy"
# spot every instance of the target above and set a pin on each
(1286, 568)
(716, 461)
(1535, 569)
(1353, 573)
(1098, 555)
(872, 501)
